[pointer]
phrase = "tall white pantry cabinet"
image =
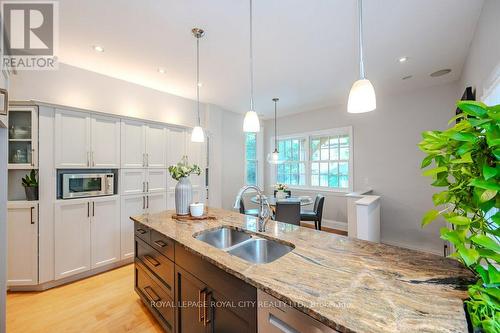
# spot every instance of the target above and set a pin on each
(63, 240)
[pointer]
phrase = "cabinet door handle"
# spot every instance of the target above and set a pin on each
(205, 317)
(143, 203)
(88, 209)
(200, 317)
(141, 231)
(33, 157)
(152, 260)
(151, 294)
(92, 158)
(160, 243)
(143, 159)
(93, 208)
(143, 186)
(31, 212)
(147, 159)
(147, 186)
(147, 201)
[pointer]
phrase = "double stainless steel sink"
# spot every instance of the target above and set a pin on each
(246, 246)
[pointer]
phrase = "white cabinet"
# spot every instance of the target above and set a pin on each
(105, 231)
(71, 237)
(133, 144)
(135, 181)
(23, 137)
(143, 145)
(156, 151)
(86, 235)
(72, 139)
(105, 142)
(156, 203)
(84, 140)
(131, 205)
(22, 244)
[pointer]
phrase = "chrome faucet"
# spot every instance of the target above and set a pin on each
(264, 208)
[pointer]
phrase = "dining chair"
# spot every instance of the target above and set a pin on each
(316, 214)
(288, 193)
(252, 212)
(288, 212)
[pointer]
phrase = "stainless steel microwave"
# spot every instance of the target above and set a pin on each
(81, 185)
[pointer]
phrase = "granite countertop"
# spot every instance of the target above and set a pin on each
(348, 284)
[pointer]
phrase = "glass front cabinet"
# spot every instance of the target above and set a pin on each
(23, 137)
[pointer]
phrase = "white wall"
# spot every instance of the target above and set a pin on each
(484, 53)
(386, 158)
(72, 86)
(3, 213)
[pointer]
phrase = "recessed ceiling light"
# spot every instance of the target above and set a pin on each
(98, 48)
(441, 72)
(403, 59)
(407, 77)
(161, 70)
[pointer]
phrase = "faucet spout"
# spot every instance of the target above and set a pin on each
(264, 208)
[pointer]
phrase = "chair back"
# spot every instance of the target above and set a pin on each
(288, 212)
(288, 193)
(318, 206)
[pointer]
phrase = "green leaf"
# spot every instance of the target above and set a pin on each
(451, 236)
(487, 195)
(469, 256)
(429, 216)
(460, 136)
(466, 158)
(458, 116)
(435, 171)
(473, 108)
(487, 185)
(478, 122)
(489, 172)
(493, 274)
(489, 254)
(459, 220)
(464, 148)
(495, 292)
(483, 273)
(426, 161)
(486, 242)
(440, 198)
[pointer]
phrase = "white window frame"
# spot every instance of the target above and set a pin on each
(258, 156)
(347, 130)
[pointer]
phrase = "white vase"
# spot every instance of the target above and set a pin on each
(280, 195)
(183, 196)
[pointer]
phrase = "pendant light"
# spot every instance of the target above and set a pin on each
(197, 135)
(362, 95)
(251, 122)
(274, 157)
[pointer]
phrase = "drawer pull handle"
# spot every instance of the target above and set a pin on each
(281, 325)
(152, 261)
(151, 294)
(160, 243)
(141, 231)
(200, 318)
(205, 317)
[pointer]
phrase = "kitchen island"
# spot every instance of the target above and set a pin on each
(346, 284)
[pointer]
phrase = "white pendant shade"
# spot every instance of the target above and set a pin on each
(361, 97)
(274, 158)
(197, 135)
(251, 122)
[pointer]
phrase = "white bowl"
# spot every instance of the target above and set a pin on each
(196, 209)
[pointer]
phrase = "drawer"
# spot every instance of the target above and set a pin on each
(163, 244)
(157, 263)
(142, 232)
(156, 298)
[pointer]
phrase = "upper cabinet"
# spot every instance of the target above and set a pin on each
(85, 140)
(143, 145)
(23, 137)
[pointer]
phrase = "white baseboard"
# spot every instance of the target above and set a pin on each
(330, 224)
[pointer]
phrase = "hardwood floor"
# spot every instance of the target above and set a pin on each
(326, 229)
(102, 303)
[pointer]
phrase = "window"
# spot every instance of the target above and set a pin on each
(293, 170)
(316, 160)
(251, 158)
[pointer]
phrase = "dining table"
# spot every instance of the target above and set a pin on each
(304, 200)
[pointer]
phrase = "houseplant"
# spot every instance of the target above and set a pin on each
(464, 161)
(183, 190)
(281, 190)
(30, 184)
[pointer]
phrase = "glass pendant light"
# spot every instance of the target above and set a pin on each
(274, 157)
(251, 122)
(362, 95)
(197, 135)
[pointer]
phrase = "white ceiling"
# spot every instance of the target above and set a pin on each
(305, 50)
